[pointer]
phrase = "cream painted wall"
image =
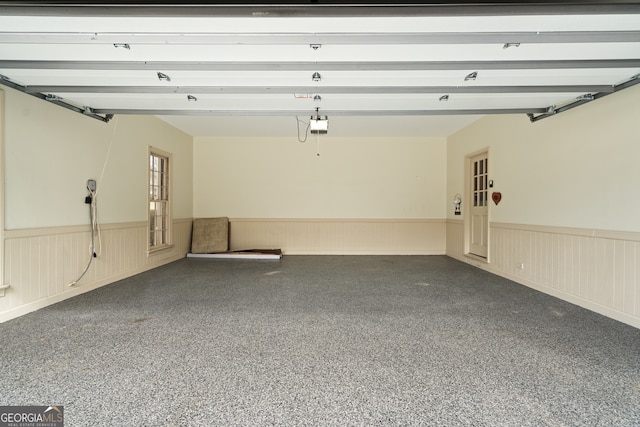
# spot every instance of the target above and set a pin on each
(352, 178)
(568, 223)
(576, 169)
(50, 153)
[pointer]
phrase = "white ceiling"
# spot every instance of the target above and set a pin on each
(385, 70)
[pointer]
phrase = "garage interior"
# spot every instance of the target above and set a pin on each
(452, 185)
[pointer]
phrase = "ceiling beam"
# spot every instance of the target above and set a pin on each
(260, 90)
(320, 66)
(153, 112)
(328, 8)
(258, 39)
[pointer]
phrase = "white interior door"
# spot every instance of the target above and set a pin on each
(479, 215)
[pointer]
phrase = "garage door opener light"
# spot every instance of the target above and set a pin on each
(319, 124)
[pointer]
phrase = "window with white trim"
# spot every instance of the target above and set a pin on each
(159, 199)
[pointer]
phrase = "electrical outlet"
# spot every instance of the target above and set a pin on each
(91, 185)
(521, 266)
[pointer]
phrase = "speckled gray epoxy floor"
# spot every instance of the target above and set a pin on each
(325, 340)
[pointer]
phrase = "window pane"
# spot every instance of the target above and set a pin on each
(159, 208)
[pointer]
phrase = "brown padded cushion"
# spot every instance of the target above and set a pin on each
(210, 235)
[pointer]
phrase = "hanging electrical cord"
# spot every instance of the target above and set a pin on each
(92, 200)
(96, 226)
(96, 223)
(306, 132)
(93, 207)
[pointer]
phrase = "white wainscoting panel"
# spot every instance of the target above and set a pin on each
(341, 236)
(595, 269)
(455, 238)
(40, 263)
